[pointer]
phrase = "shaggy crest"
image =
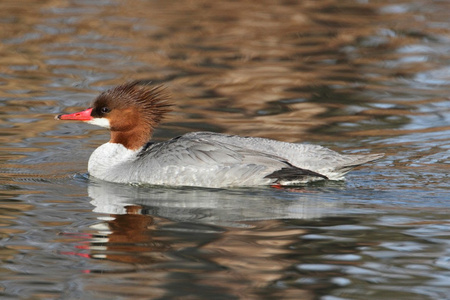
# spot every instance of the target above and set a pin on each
(152, 100)
(131, 111)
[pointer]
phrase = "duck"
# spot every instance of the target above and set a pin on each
(131, 111)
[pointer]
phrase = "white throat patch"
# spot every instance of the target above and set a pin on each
(102, 122)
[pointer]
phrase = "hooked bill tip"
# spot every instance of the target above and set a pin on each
(58, 117)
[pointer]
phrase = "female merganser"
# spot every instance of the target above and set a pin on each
(131, 112)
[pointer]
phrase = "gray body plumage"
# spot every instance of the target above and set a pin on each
(218, 160)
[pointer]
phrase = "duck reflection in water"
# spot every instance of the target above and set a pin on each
(233, 240)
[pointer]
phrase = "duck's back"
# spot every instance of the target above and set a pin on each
(213, 159)
(306, 156)
(203, 161)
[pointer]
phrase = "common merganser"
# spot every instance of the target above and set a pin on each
(131, 112)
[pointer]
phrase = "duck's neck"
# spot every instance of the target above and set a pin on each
(132, 139)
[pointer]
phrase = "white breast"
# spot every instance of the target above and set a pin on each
(112, 162)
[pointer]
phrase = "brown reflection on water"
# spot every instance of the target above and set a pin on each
(255, 258)
(246, 67)
(131, 239)
(237, 261)
(248, 54)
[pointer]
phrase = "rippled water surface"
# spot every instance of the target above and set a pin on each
(355, 76)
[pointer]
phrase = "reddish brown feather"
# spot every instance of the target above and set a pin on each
(135, 110)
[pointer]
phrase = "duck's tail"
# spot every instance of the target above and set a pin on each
(350, 162)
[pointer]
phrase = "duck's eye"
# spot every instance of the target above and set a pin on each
(105, 110)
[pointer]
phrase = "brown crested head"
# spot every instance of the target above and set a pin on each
(132, 111)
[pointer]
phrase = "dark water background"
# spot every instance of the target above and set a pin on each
(355, 76)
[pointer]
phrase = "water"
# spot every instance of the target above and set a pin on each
(355, 76)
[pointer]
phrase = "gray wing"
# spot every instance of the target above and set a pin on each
(224, 161)
(305, 156)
